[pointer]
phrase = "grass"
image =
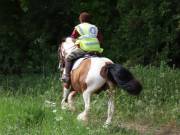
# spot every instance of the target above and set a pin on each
(25, 107)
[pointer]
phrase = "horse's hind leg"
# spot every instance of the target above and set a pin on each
(84, 115)
(110, 104)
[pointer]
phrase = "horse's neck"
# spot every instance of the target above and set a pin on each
(68, 45)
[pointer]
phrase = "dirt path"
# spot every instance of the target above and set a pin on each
(168, 129)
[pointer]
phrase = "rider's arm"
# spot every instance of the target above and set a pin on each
(75, 34)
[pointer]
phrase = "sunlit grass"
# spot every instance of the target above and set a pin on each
(24, 109)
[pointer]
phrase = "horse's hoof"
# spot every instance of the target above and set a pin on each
(72, 109)
(106, 125)
(64, 106)
(82, 117)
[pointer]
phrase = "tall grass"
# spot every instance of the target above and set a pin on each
(25, 106)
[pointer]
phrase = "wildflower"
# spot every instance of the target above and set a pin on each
(54, 111)
(58, 118)
(49, 104)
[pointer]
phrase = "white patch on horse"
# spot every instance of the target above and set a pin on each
(94, 80)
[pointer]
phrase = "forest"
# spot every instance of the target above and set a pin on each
(134, 31)
(141, 35)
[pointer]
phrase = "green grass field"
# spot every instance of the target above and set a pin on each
(26, 109)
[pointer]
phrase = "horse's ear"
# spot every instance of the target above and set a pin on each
(61, 40)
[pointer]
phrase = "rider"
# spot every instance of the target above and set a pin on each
(87, 38)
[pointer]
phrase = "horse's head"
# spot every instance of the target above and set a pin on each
(65, 48)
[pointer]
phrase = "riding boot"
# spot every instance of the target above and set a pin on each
(66, 76)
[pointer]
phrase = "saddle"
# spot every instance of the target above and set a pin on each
(78, 61)
(75, 64)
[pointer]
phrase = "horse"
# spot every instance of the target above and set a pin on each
(92, 74)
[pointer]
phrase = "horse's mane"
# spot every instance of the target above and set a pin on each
(67, 46)
(69, 40)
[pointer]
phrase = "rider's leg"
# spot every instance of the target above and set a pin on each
(69, 62)
(68, 66)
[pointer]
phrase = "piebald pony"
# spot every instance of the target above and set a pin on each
(90, 75)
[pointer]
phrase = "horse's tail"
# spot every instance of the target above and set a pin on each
(123, 78)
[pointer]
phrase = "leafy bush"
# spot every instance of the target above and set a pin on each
(135, 31)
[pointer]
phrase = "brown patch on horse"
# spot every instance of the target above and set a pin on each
(104, 70)
(78, 75)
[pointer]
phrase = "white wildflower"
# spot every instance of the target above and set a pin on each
(54, 111)
(58, 118)
(49, 104)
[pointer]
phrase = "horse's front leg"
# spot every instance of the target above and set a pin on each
(84, 115)
(64, 103)
(71, 101)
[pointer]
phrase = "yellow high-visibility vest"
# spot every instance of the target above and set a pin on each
(88, 38)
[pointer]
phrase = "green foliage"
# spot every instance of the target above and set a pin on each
(135, 31)
(28, 41)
